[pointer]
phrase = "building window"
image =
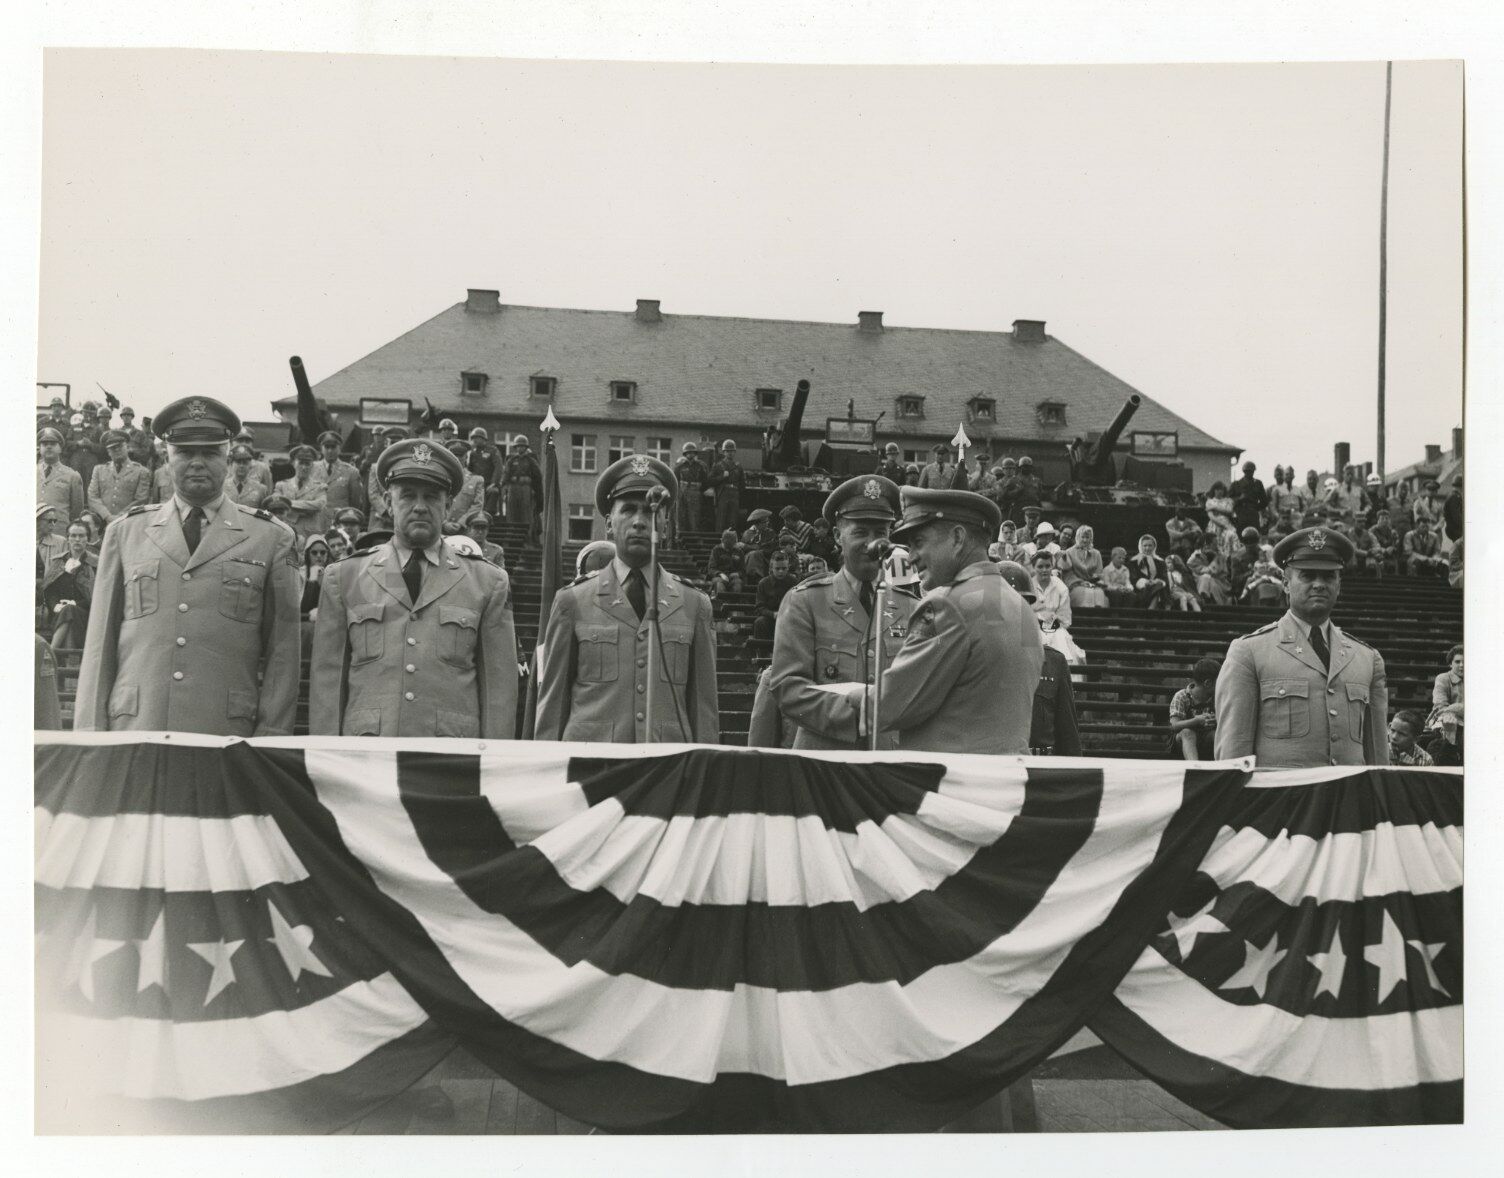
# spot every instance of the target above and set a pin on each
(983, 409)
(542, 386)
(770, 399)
(581, 521)
(910, 406)
(618, 447)
(582, 453)
(473, 384)
(1050, 412)
(624, 391)
(914, 458)
(662, 449)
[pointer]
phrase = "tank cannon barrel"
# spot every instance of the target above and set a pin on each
(1103, 447)
(781, 442)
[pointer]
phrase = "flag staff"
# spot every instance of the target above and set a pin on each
(962, 443)
(1383, 264)
(551, 544)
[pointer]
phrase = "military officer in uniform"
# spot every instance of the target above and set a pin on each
(58, 484)
(891, 466)
(413, 637)
(522, 488)
(380, 516)
(692, 474)
(119, 484)
(308, 496)
(728, 479)
(240, 484)
(965, 678)
(472, 495)
(825, 624)
(260, 467)
(345, 486)
(138, 442)
(193, 598)
(1300, 692)
(592, 680)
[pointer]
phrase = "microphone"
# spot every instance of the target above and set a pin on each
(658, 496)
(877, 549)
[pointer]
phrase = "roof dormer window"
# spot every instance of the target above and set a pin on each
(623, 392)
(983, 409)
(473, 384)
(770, 400)
(910, 405)
(1050, 412)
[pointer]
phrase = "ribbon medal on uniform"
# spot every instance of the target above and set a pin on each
(640, 464)
(1318, 540)
(422, 453)
(872, 490)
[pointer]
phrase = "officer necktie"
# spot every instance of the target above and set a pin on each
(868, 596)
(637, 592)
(1318, 643)
(413, 576)
(193, 528)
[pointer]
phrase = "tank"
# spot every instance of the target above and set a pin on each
(785, 478)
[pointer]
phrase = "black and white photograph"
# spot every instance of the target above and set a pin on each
(673, 597)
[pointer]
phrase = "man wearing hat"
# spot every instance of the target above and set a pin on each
(307, 494)
(240, 484)
(692, 475)
(119, 484)
(477, 525)
(727, 480)
(522, 489)
(486, 461)
(1299, 692)
(260, 468)
(381, 438)
(1028, 492)
(194, 621)
(414, 638)
(826, 623)
(592, 677)
(1249, 498)
(965, 678)
(891, 465)
(1052, 728)
(472, 495)
(82, 449)
(940, 473)
(58, 484)
(138, 442)
(344, 486)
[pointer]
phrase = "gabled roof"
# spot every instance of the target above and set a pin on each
(702, 369)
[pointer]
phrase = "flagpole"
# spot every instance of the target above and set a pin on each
(1383, 264)
(551, 551)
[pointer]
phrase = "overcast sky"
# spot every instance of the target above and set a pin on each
(1207, 233)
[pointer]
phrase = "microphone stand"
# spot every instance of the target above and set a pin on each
(879, 599)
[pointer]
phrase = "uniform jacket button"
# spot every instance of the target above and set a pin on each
(411, 668)
(407, 695)
(1333, 712)
(177, 674)
(639, 715)
(182, 642)
(412, 642)
(641, 688)
(187, 576)
(182, 607)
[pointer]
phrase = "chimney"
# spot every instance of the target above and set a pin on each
(483, 302)
(1342, 454)
(1457, 442)
(869, 320)
(1028, 331)
(1433, 452)
(1367, 469)
(648, 312)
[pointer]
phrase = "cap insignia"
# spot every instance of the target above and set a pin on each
(1318, 540)
(422, 453)
(197, 409)
(641, 464)
(872, 490)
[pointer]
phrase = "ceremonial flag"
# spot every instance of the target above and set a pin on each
(552, 544)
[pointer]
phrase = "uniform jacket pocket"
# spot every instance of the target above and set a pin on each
(456, 724)
(125, 700)
(241, 705)
(242, 586)
(457, 632)
(363, 722)
(367, 640)
(141, 588)
(1357, 708)
(1284, 710)
(597, 647)
(837, 662)
(676, 647)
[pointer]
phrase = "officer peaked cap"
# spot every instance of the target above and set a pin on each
(867, 496)
(1314, 548)
(922, 506)
(418, 460)
(636, 474)
(196, 421)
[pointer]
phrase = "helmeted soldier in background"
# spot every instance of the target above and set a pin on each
(414, 637)
(727, 479)
(486, 461)
(891, 465)
(693, 476)
(522, 488)
(194, 621)
(472, 492)
(592, 679)
(260, 467)
(138, 442)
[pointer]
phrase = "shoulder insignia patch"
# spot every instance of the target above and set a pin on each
(141, 508)
(1260, 630)
(817, 579)
(1350, 636)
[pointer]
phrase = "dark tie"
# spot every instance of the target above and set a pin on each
(193, 528)
(1318, 644)
(413, 576)
(868, 597)
(637, 592)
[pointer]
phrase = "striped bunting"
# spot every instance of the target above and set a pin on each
(1311, 972)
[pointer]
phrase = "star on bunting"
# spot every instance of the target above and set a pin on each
(1187, 928)
(88, 949)
(1332, 964)
(1428, 957)
(1388, 957)
(217, 954)
(293, 943)
(152, 970)
(1257, 966)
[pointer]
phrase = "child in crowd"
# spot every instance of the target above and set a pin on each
(723, 567)
(770, 593)
(1182, 586)
(1265, 585)
(1193, 714)
(1403, 750)
(1117, 579)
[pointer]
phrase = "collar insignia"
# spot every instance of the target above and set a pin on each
(197, 409)
(1318, 540)
(422, 454)
(641, 464)
(871, 489)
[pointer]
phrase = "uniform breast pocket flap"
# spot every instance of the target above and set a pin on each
(242, 586)
(141, 588)
(1284, 710)
(1357, 708)
(676, 646)
(457, 632)
(837, 662)
(367, 640)
(597, 646)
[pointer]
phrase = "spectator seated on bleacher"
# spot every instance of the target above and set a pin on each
(1183, 533)
(1403, 749)
(1064, 539)
(1151, 578)
(770, 593)
(1081, 570)
(760, 532)
(1044, 542)
(1193, 714)
(1219, 523)
(1386, 543)
(1244, 557)
(1182, 585)
(1447, 691)
(822, 543)
(1007, 546)
(724, 564)
(1364, 546)
(793, 522)
(1209, 567)
(67, 587)
(1284, 524)
(1428, 506)
(1117, 580)
(95, 527)
(1373, 498)
(1052, 606)
(1422, 550)
(1264, 585)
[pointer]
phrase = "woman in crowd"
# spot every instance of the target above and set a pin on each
(339, 544)
(68, 587)
(1065, 539)
(1446, 691)
(1052, 606)
(1219, 523)
(1264, 585)
(1007, 546)
(95, 526)
(315, 557)
(1082, 571)
(1150, 576)
(1182, 585)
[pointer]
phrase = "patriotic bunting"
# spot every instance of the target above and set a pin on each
(278, 935)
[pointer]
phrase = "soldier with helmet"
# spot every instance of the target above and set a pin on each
(692, 475)
(414, 637)
(599, 643)
(522, 488)
(485, 460)
(138, 442)
(826, 623)
(58, 484)
(1300, 692)
(891, 465)
(727, 479)
(194, 621)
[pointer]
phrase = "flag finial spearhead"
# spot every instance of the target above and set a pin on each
(961, 441)
(550, 423)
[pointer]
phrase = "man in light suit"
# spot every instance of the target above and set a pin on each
(119, 484)
(824, 630)
(965, 678)
(193, 598)
(593, 673)
(413, 637)
(1300, 692)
